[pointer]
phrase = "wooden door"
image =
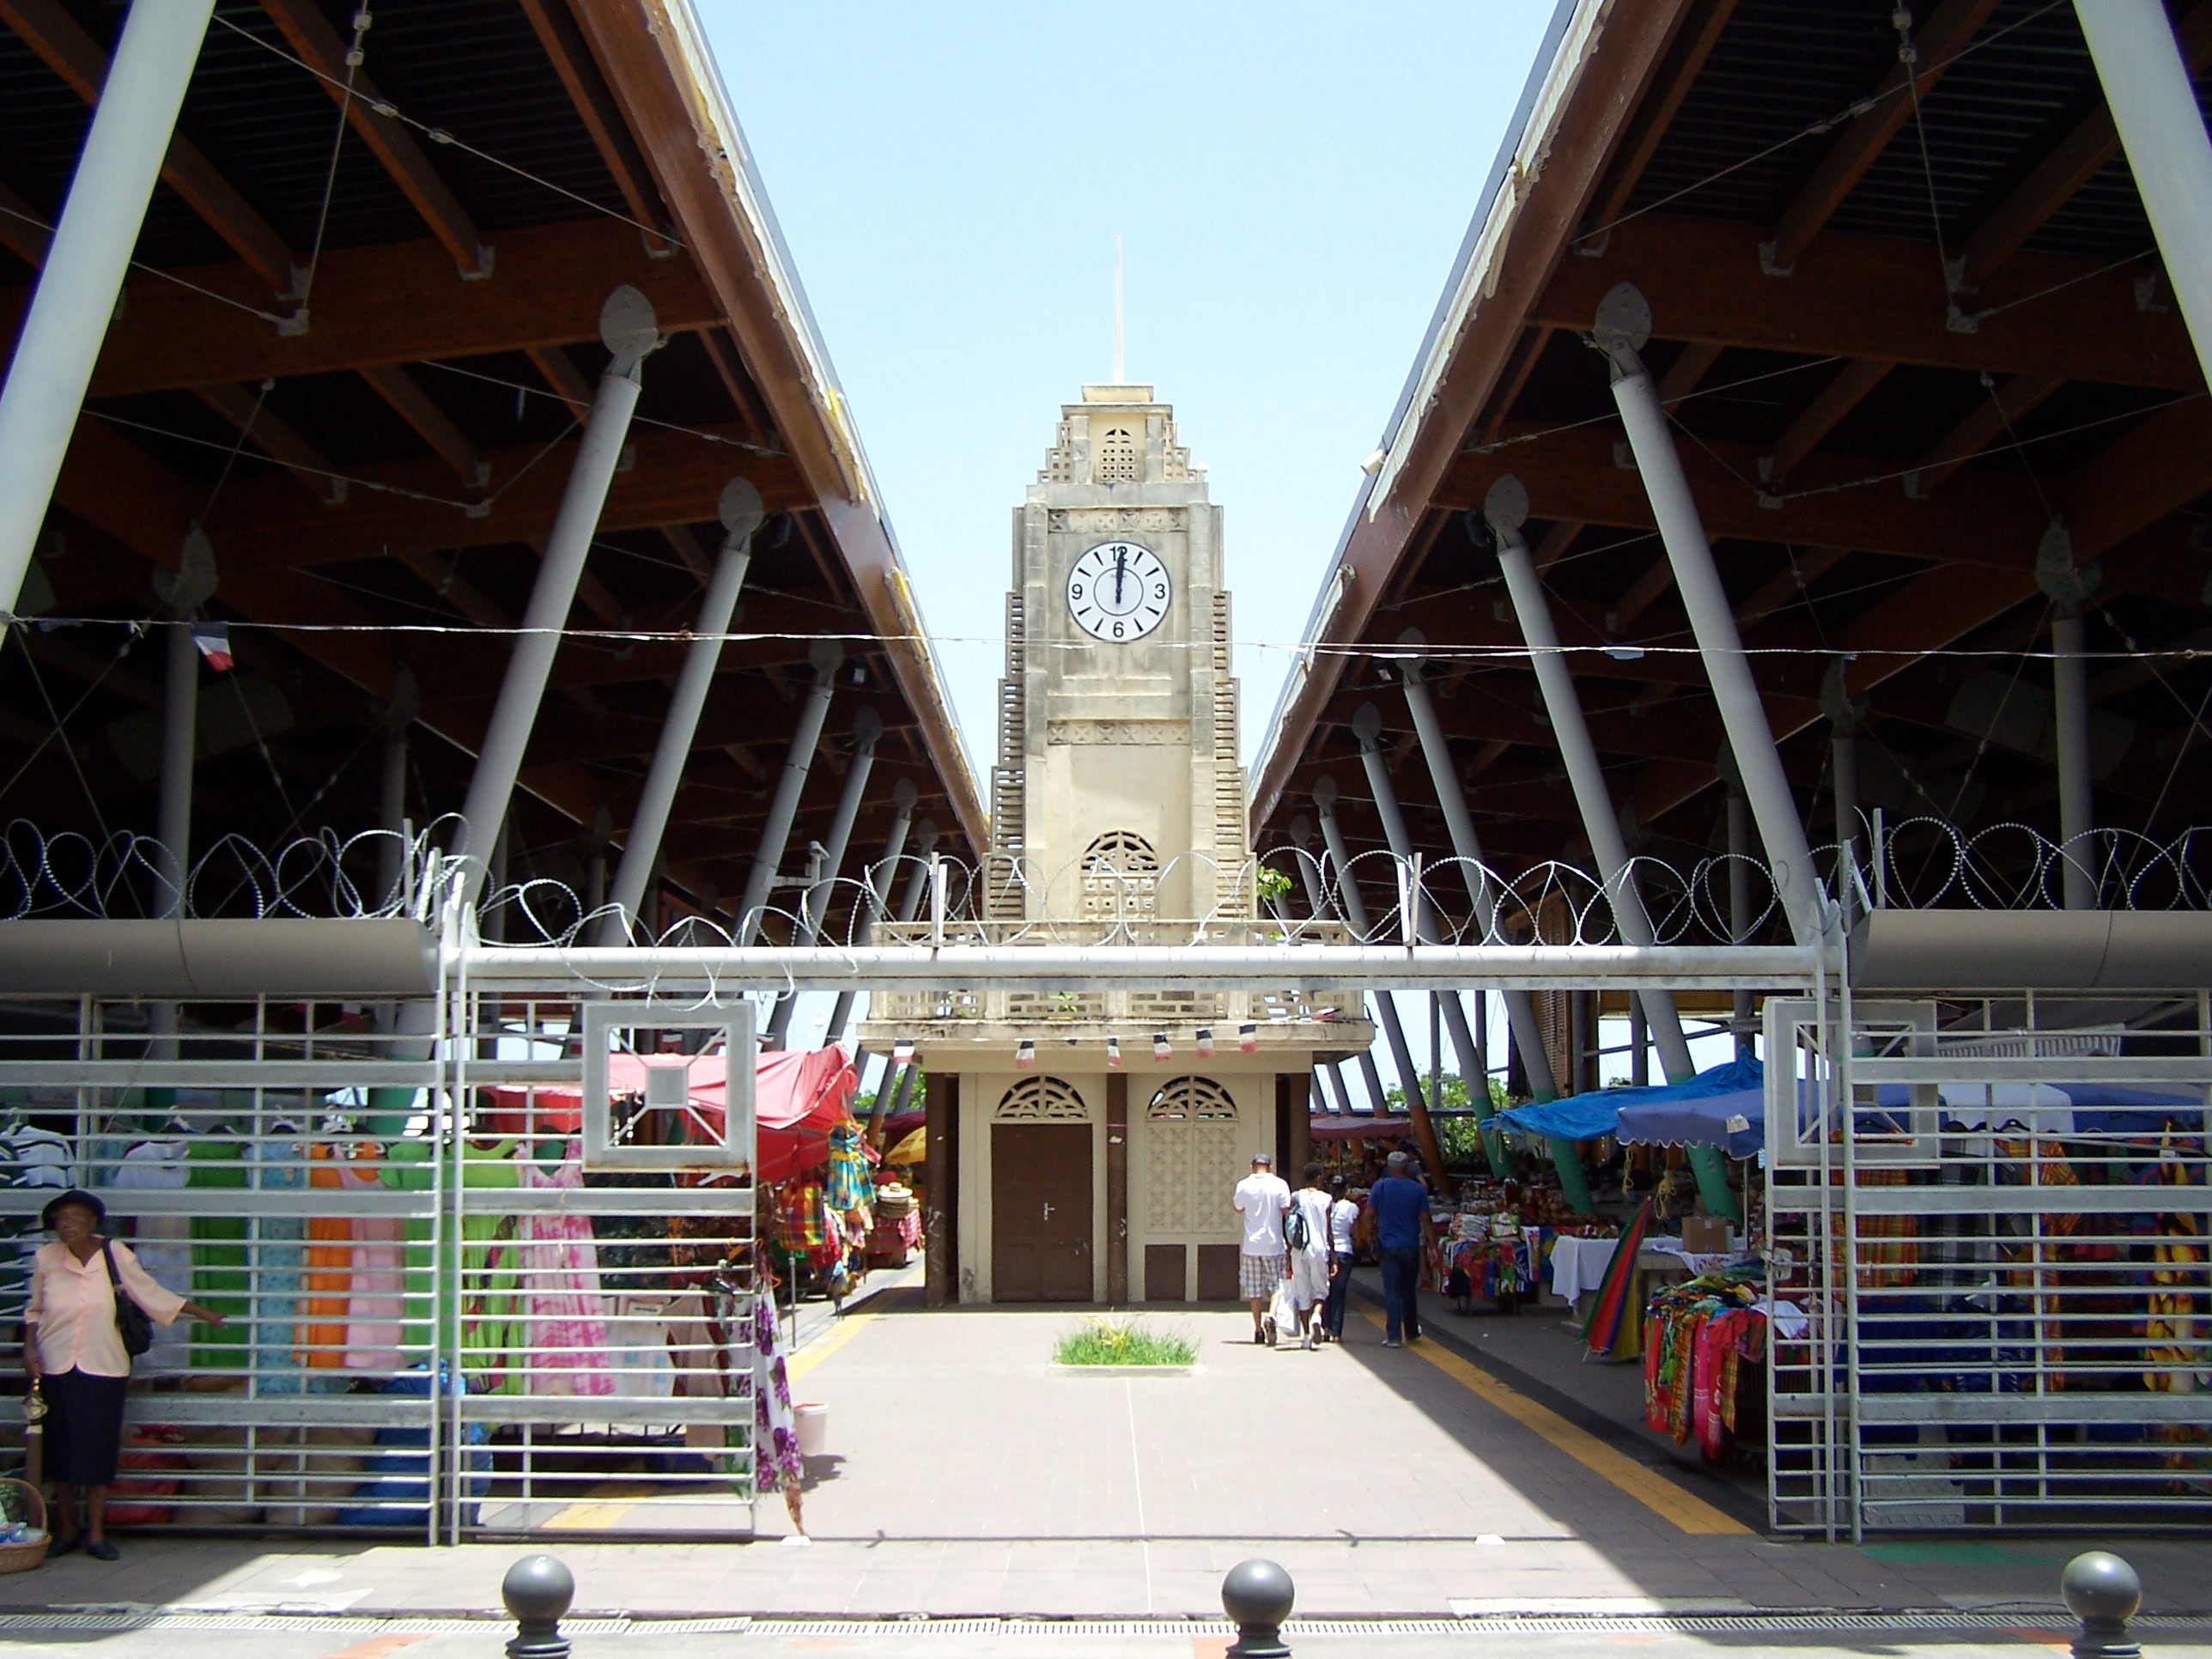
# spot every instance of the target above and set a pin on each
(1041, 1212)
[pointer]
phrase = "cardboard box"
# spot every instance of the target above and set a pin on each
(1704, 1235)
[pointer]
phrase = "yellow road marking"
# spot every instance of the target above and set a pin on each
(825, 1344)
(1647, 1486)
(590, 1517)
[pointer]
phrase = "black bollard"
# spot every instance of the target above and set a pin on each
(2103, 1592)
(1258, 1596)
(537, 1590)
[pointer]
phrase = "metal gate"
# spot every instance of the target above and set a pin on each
(1989, 1221)
(446, 1317)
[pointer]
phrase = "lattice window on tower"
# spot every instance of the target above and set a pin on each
(1120, 879)
(1113, 458)
(1041, 1100)
(1190, 1163)
(1192, 1100)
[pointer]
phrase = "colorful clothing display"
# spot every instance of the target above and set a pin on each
(563, 1313)
(775, 1425)
(1695, 1336)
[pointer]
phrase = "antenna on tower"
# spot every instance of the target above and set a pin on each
(1117, 311)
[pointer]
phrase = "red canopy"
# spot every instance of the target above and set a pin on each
(1336, 1127)
(799, 1097)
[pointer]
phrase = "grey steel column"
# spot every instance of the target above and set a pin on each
(1624, 325)
(1467, 846)
(2077, 820)
(394, 854)
(1331, 1089)
(867, 732)
(783, 806)
(909, 905)
(2147, 89)
(1739, 848)
(1506, 509)
(180, 707)
(74, 295)
(1843, 778)
(1354, 906)
(741, 513)
(628, 329)
(903, 795)
(1367, 726)
(1310, 874)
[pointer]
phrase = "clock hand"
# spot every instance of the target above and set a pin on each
(1120, 560)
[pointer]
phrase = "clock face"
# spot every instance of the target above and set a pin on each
(1118, 591)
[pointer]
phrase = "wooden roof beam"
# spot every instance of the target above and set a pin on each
(1979, 429)
(1881, 113)
(2080, 157)
(1696, 33)
(386, 303)
(275, 437)
(431, 423)
(23, 230)
(1981, 520)
(1822, 416)
(1867, 297)
(561, 373)
(48, 28)
(678, 479)
(324, 50)
(572, 59)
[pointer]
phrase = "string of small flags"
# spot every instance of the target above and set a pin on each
(1025, 1048)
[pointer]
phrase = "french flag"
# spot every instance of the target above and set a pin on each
(213, 639)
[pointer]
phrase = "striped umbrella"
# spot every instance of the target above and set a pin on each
(1610, 1302)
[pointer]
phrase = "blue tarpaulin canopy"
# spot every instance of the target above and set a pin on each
(1578, 1117)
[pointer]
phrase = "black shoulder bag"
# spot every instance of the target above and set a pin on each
(131, 1323)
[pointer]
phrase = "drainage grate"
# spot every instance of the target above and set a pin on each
(117, 1620)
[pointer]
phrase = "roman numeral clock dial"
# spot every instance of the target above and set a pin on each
(1118, 591)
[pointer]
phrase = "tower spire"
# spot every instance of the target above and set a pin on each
(1117, 311)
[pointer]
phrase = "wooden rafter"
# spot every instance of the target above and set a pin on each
(48, 28)
(321, 47)
(1888, 108)
(383, 303)
(1875, 297)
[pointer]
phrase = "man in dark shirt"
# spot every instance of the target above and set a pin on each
(1402, 1227)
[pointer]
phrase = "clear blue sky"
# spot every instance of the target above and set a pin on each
(1291, 182)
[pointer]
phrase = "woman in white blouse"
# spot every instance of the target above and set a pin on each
(75, 1357)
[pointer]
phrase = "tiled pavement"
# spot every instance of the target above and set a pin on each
(965, 1477)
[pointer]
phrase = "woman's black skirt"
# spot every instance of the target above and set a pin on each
(84, 1427)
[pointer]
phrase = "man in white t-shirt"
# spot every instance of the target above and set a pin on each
(1261, 1197)
(1305, 1231)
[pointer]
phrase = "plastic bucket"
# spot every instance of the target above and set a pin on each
(813, 1428)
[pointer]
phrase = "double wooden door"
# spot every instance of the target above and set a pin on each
(1041, 1212)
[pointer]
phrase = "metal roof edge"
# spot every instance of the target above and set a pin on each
(1545, 89)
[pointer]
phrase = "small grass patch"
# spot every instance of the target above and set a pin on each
(1122, 1342)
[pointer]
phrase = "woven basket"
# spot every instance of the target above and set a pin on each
(21, 1558)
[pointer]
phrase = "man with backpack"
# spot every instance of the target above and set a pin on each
(1305, 1235)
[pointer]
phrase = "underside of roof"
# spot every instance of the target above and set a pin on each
(1903, 323)
(357, 348)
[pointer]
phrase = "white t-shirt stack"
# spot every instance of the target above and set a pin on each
(1261, 1197)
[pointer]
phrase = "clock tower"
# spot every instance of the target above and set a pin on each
(1116, 793)
(1084, 1146)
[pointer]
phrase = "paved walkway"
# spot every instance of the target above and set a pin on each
(966, 1477)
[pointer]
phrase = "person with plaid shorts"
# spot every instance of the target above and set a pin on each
(1262, 1264)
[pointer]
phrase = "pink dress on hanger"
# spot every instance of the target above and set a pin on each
(377, 1304)
(557, 1286)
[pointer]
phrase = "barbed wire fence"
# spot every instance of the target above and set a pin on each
(1918, 863)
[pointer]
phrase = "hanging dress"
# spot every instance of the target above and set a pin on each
(329, 1268)
(162, 1243)
(490, 1340)
(777, 1466)
(564, 1316)
(374, 1312)
(222, 1275)
(279, 1166)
